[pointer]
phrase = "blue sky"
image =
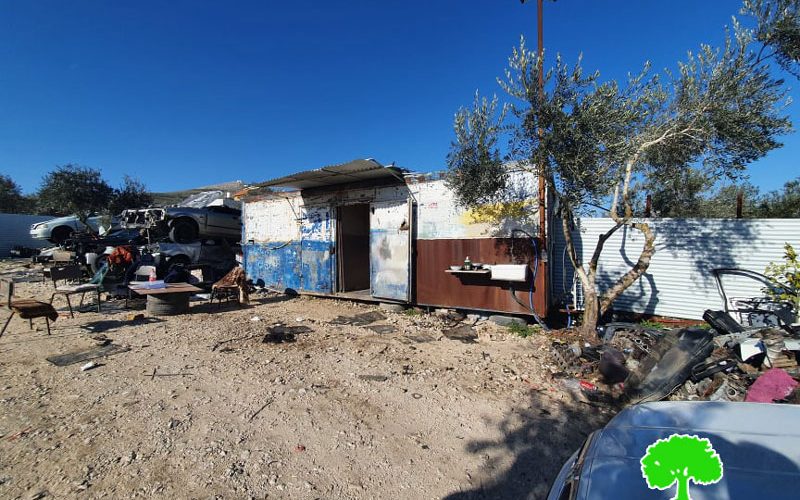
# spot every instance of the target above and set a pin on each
(188, 93)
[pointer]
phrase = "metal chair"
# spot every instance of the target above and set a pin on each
(26, 308)
(71, 276)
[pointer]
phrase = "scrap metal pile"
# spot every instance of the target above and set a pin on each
(202, 231)
(747, 352)
(721, 361)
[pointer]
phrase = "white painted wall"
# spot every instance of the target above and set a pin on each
(276, 218)
(272, 220)
(678, 282)
(440, 217)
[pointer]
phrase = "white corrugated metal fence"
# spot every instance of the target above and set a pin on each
(679, 282)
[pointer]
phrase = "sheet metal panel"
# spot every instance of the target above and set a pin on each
(679, 282)
(354, 171)
(439, 215)
(316, 255)
(15, 230)
(272, 220)
(389, 241)
(275, 264)
(435, 287)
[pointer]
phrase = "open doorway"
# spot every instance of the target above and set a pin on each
(352, 247)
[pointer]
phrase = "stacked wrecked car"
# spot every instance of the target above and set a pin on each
(202, 231)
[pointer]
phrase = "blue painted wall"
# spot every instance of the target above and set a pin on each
(316, 266)
(273, 264)
(306, 266)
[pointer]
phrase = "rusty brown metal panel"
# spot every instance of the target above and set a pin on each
(437, 288)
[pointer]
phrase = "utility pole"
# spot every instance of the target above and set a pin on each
(543, 274)
(542, 190)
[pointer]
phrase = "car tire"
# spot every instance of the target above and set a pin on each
(183, 231)
(61, 234)
(181, 260)
(167, 304)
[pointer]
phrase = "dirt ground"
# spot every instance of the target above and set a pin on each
(340, 412)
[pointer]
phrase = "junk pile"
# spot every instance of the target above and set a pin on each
(723, 361)
(203, 230)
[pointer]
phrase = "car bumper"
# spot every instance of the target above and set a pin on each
(40, 233)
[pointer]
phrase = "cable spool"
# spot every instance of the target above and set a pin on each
(167, 304)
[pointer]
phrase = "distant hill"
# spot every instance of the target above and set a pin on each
(173, 197)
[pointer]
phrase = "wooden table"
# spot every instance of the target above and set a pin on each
(167, 301)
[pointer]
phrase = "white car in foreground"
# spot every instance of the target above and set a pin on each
(756, 454)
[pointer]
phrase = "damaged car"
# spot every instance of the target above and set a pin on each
(204, 215)
(61, 229)
(756, 443)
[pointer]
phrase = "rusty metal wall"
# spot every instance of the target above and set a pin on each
(435, 287)
(448, 233)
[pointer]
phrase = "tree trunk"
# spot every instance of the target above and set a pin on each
(683, 488)
(591, 311)
(636, 271)
(587, 280)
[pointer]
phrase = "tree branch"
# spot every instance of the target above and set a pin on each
(566, 219)
(636, 271)
(598, 249)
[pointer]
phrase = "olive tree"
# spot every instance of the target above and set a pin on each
(74, 190)
(778, 31)
(592, 140)
(132, 194)
(11, 198)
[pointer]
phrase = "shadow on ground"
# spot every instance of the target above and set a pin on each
(538, 437)
(107, 325)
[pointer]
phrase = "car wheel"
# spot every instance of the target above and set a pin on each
(60, 234)
(183, 231)
(181, 260)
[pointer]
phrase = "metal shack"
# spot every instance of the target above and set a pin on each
(366, 231)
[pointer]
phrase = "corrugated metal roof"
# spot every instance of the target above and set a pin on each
(354, 171)
(679, 282)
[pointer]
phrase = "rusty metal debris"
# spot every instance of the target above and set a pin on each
(382, 329)
(86, 355)
(631, 364)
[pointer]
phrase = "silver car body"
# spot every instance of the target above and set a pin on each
(220, 218)
(44, 230)
(759, 445)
